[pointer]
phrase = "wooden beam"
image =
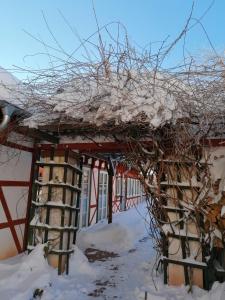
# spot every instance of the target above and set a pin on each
(197, 265)
(96, 148)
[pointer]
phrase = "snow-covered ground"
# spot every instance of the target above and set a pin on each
(121, 270)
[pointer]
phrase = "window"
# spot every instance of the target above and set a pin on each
(133, 187)
(85, 197)
(138, 187)
(128, 187)
(118, 186)
(103, 195)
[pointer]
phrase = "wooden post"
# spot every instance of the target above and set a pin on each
(110, 198)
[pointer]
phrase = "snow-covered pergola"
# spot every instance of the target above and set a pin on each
(167, 124)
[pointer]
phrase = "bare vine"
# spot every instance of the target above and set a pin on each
(168, 117)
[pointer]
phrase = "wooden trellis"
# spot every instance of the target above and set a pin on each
(183, 257)
(56, 204)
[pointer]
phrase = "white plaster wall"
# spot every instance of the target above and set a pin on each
(2, 215)
(14, 164)
(20, 229)
(8, 247)
(16, 198)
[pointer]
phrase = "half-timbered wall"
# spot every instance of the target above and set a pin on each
(96, 167)
(94, 192)
(15, 178)
(122, 198)
(16, 161)
(127, 189)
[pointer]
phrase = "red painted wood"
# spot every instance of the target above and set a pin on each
(115, 146)
(214, 142)
(14, 183)
(93, 147)
(116, 206)
(14, 222)
(93, 216)
(93, 206)
(96, 197)
(132, 201)
(95, 167)
(10, 221)
(116, 200)
(95, 190)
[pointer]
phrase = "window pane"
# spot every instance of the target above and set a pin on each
(103, 195)
(85, 195)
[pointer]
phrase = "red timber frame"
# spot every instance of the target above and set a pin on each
(116, 199)
(94, 185)
(10, 223)
(130, 201)
(102, 147)
(95, 182)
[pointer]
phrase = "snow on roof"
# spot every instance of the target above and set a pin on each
(11, 89)
(118, 99)
(122, 98)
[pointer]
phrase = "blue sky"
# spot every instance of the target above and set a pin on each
(146, 21)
